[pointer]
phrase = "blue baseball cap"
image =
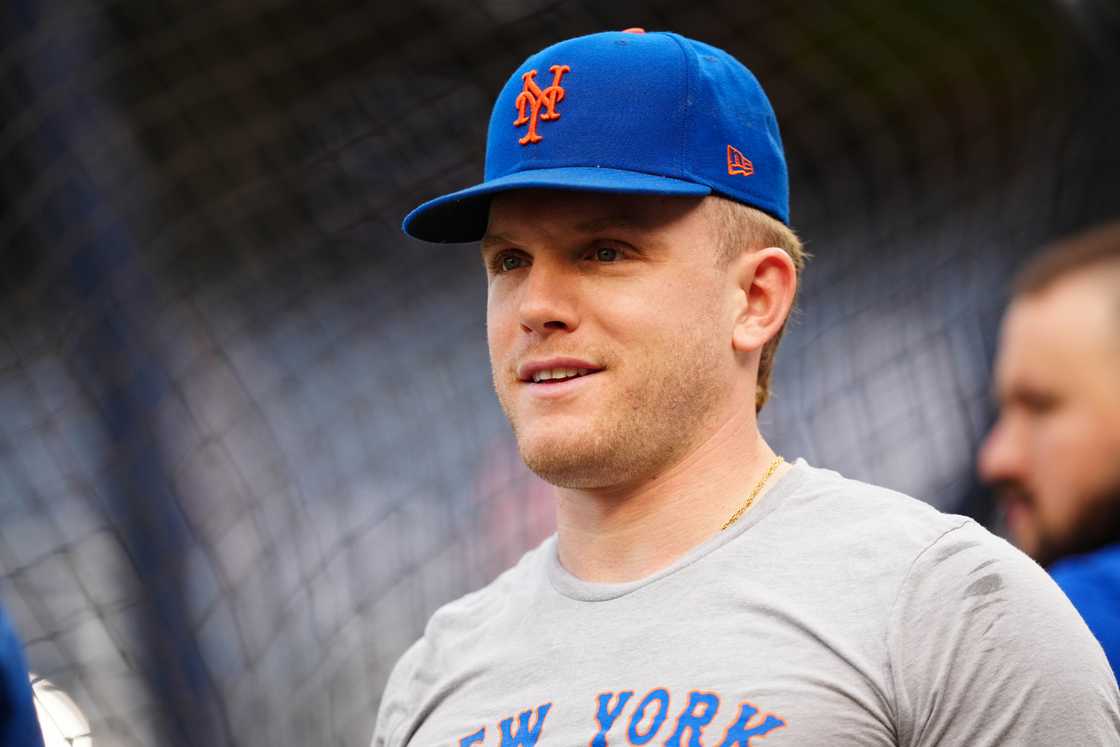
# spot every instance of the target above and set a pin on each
(626, 112)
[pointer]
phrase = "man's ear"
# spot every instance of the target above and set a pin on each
(767, 280)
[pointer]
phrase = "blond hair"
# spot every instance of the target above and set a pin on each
(743, 228)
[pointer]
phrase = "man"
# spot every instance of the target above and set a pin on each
(1054, 452)
(699, 590)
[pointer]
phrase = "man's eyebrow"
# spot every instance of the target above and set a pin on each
(496, 238)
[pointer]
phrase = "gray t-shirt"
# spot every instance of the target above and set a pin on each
(833, 613)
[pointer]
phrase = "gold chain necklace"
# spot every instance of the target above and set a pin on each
(754, 493)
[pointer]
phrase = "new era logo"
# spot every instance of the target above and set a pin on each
(737, 163)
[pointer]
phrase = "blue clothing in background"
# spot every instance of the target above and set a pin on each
(19, 726)
(1092, 582)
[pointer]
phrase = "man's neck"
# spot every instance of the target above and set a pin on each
(624, 533)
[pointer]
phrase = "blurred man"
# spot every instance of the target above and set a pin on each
(1054, 453)
(699, 589)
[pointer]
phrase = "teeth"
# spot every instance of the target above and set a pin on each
(550, 374)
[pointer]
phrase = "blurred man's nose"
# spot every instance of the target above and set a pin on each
(548, 298)
(1000, 456)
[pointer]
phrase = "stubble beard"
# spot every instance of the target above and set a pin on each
(1098, 525)
(642, 430)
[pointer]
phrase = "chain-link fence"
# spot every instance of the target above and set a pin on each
(247, 438)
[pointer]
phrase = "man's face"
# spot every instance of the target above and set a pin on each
(1054, 453)
(622, 302)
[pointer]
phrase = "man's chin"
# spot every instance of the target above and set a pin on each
(569, 454)
(565, 465)
(1097, 526)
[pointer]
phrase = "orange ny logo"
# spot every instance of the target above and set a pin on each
(531, 98)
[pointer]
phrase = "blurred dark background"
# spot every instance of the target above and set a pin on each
(247, 438)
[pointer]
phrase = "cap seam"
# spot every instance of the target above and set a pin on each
(681, 157)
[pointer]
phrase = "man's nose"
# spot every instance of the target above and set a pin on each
(548, 299)
(1000, 456)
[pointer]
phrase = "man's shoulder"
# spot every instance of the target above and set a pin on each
(486, 605)
(465, 622)
(974, 613)
(861, 513)
(470, 626)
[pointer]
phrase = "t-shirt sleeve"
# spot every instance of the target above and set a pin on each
(984, 649)
(394, 712)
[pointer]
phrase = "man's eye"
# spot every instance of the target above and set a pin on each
(508, 262)
(1038, 403)
(1041, 404)
(607, 254)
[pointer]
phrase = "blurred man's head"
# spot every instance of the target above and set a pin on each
(1054, 453)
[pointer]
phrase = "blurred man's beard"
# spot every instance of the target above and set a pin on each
(1098, 525)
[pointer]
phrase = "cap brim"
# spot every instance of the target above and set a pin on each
(462, 216)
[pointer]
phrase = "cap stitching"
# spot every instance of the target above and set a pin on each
(681, 158)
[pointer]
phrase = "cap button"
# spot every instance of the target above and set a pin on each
(634, 30)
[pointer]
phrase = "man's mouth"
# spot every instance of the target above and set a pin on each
(1013, 494)
(555, 375)
(1017, 505)
(555, 370)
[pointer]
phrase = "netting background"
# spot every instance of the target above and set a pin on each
(247, 440)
